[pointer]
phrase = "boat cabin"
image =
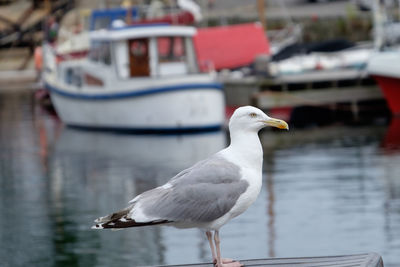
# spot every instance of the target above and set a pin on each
(149, 50)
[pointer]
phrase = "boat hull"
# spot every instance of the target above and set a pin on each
(384, 68)
(391, 89)
(174, 108)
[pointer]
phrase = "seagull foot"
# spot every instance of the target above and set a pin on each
(228, 263)
(224, 260)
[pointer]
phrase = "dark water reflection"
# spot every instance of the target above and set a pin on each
(327, 191)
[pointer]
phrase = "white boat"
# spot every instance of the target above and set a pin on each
(138, 77)
(353, 58)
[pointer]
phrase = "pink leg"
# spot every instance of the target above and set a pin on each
(223, 262)
(210, 241)
(209, 237)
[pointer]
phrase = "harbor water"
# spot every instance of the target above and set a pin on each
(331, 190)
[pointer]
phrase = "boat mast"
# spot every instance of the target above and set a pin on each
(128, 5)
(379, 19)
(261, 13)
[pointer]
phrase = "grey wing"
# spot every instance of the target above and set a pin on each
(202, 193)
(215, 169)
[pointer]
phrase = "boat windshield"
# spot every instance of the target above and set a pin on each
(171, 49)
(176, 55)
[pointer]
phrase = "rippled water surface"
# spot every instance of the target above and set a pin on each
(326, 191)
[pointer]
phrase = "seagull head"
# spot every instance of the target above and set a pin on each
(253, 119)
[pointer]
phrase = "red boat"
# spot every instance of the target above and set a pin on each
(384, 67)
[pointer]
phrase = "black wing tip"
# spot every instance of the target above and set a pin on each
(126, 223)
(97, 226)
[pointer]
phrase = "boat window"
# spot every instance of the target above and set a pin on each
(101, 52)
(176, 56)
(94, 51)
(105, 53)
(173, 56)
(73, 76)
(171, 49)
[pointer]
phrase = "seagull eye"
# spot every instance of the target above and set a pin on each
(253, 115)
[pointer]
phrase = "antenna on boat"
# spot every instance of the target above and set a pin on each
(128, 5)
(261, 13)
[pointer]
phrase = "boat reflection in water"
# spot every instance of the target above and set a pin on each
(164, 153)
(391, 141)
(391, 173)
(94, 173)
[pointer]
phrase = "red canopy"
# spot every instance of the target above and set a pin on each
(231, 46)
(182, 18)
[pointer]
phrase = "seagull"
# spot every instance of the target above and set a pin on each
(211, 192)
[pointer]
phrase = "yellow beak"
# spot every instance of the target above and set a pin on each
(277, 123)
